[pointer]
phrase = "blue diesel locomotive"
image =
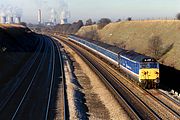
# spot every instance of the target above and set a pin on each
(143, 69)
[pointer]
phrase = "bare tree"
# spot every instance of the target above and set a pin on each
(121, 44)
(94, 22)
(93, 34)
(23, 23)
(119, 20)
(89, 22)
(155, 46)
(129, 19)
(103, 22)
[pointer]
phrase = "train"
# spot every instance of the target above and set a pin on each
(142, 69)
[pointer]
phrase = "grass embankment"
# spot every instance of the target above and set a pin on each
(135, 35)
(17, 43)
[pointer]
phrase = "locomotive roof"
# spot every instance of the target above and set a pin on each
(126, 53)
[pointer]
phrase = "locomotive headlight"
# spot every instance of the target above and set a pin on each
(144, 72)
(157, 73)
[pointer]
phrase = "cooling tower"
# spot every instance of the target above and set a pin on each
(10, 20)
(3, 19)
(18, 20)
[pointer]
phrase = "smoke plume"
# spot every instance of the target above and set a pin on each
(12, 11)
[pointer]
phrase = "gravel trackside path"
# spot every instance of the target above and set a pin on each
(88, 98)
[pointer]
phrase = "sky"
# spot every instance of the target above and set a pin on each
(96, 9)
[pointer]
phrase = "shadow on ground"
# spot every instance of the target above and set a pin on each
(79, 97)
(170, 78)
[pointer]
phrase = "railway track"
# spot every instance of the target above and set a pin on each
(28, 88)
(64, 106)
(174, 101)
(19, 114)
(170, 98)
(158, 114)
(137, 110)
(35, 94)
(11, 111)
(52, 80)
(170, 104)
(64, 98)
(154, 103)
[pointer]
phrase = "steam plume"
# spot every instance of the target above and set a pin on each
(9, 10)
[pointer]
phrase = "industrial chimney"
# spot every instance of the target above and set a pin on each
(39, 16)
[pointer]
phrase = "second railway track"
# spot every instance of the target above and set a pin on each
(35, 96)
(137, 110)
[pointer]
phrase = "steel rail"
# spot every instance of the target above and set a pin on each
(22, 100)
(65, 110)
(168, 97)
(158, 100)
(52, 79)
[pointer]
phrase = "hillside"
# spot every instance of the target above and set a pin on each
(134, 35)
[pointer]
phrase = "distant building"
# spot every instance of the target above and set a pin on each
(64, 21)
(39, 16)
(49, 24)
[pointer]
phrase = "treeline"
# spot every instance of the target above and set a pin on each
(74, 27)
(68, 28)
(103, 22)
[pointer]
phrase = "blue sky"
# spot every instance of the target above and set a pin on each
(96, 9)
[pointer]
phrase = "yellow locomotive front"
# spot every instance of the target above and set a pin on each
(149, 73)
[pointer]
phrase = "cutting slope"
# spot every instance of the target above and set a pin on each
(134, 35)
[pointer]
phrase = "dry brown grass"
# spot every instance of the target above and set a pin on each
(135, 35)
(86, 29)
(11, 25)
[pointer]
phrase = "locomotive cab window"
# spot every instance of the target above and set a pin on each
(144, 65)
(153, 65)
(149, 65)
